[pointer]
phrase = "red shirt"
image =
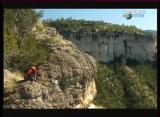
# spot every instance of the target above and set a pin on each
(30, 72)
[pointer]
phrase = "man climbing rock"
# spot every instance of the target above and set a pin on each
(31, 74)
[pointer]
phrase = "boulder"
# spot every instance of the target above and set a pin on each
(32, 90)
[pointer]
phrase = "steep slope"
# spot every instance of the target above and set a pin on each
(65, 80)
(123, 86)
(137, 92)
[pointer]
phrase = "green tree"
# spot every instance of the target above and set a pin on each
(19, 22)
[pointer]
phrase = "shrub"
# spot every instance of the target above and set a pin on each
(120, 86)
(109, 88)
(137, 93)
(149, 74)
(30, 55)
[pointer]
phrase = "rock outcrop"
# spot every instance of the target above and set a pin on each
(65, 80)
(106, 47)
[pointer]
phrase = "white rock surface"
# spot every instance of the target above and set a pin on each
(105, 47)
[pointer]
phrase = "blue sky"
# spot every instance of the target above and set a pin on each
(115, 16)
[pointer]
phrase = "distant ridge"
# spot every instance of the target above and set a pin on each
(151, 31)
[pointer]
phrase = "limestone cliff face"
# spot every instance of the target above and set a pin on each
(106, 47)
(65, 80)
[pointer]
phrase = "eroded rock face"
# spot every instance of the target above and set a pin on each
(32, 90)
(65, 80)
(107, 47)
(9, 84)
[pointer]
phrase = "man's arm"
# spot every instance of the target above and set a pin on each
(35, 76)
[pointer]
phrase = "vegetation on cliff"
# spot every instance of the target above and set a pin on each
(93, 26)
(19, 39)
(110, 92)
(121, 86)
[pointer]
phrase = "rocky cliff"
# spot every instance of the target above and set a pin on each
(106, 47)
(65, 80)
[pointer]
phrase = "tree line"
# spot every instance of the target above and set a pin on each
(18, 24)
(77, 25)
(20, 46)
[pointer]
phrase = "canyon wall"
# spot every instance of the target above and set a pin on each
(106, 47)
